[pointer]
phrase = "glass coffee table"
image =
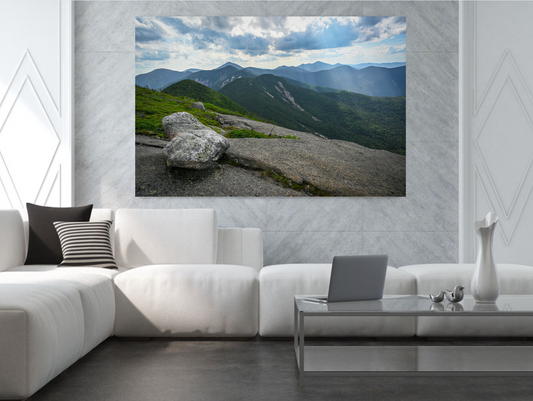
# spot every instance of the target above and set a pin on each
(410, 360)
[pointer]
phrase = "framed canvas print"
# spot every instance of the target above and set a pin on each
(270, 106)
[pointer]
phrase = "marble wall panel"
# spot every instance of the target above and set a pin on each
(105, 97)
(314, 214)
(433, 171)
(220, 8)
(379, 8)
(310, 247)
(432, 96)
(420, 228)
(314, 8)
(421, 215)
(407, 248)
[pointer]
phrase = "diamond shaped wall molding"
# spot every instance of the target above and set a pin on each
(29, 120)
(506, 94)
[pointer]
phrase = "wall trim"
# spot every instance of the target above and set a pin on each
(467, 84)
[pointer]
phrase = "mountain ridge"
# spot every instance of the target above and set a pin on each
(369, 80)
(218, 78)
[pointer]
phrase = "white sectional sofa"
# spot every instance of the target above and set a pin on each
(180, 275)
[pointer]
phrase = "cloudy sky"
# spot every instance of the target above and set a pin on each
(265, 42)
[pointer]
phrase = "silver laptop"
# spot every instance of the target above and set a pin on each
(356, 278)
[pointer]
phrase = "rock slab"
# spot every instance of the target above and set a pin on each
(199, 149)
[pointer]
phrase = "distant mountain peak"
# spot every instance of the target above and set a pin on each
(229, 63)
(159, 78)
(319, 63)
(382, 65)
(316, 66)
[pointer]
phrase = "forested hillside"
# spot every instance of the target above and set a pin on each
(374, 122)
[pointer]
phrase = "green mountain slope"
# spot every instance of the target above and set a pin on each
(313, 88)
(151, 106)
(374, 122)
(204, 94)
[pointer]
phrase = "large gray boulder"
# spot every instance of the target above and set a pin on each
(197, 150)
(180, 123)
(198, 105)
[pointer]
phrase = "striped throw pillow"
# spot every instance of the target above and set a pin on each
(86, 244)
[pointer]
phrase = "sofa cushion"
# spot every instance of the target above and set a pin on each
(12, 244)
(280, 283)
(43, 246)
(187, 301)
(240, 246)
(95, 289)
(40, 336)
(106, 214)
(433, 278)
(86, 244)
(165, 236)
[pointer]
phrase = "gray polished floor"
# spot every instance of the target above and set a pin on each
(257, 369)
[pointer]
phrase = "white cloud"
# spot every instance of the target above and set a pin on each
(265, 41)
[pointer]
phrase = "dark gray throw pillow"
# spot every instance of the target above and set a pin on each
(44, 247)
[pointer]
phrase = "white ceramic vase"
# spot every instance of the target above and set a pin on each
(485, 282)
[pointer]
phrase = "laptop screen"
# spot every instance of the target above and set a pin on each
(357, 278)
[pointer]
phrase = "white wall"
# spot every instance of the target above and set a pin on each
(36, 103)
(497, 136)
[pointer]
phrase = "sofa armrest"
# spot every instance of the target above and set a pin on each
(14, 366)
(12, 244)
(240, 246)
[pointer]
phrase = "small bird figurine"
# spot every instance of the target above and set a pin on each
(437, 298)
(456, 295)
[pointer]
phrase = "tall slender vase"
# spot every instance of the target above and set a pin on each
(485, 282)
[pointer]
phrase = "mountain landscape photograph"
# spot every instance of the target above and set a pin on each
(270, 106)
